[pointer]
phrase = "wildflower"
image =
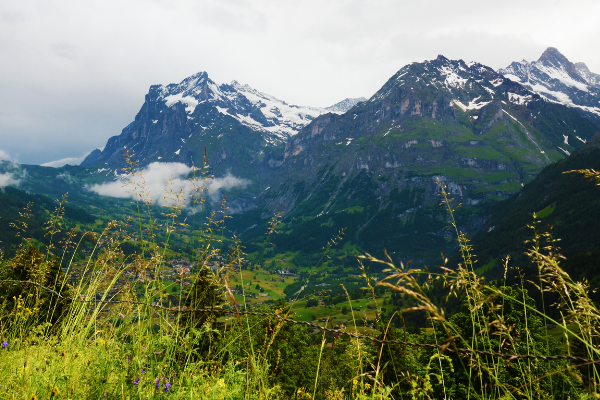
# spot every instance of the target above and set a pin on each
(4, 343)
(157, 383)
(137, 380)
(122, 316)
(167, 387)
(55, 391)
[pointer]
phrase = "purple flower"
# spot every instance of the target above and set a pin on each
(4, 343)
(137, 380)
(122, 316)
(157, 382)
(167, 386)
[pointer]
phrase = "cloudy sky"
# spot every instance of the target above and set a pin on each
(75, 72)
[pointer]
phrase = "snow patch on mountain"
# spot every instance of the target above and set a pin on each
(519, 99)
(474, 104)
(453, 80)
(189, 101)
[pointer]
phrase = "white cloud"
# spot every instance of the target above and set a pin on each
(65, 176)
(162, 182)
(8, 179)
(4, 156)
(65, 161)
(227, 182)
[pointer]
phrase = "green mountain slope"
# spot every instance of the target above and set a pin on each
(568, 203)
(16, 223)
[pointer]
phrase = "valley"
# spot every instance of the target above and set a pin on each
(369, 169)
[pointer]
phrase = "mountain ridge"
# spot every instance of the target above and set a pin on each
(558, 80)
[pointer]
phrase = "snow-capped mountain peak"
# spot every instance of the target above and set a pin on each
(177, 117)
(558, 80)
(255, 109)
(345, 105)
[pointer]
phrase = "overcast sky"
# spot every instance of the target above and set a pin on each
(75, 72)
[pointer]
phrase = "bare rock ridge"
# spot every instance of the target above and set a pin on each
(345, 105)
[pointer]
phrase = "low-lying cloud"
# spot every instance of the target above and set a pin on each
(4, 156)
(8, 164)
(8, 179)
(162, 182)
(64, 161)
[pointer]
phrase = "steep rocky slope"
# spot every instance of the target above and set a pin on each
(243, 130)
(233, 120)
(372, 169)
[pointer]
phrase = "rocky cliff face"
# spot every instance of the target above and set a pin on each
(558, 80)
(480, 133)
(441, 117)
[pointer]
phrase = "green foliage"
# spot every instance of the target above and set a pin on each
(567, 202)
(311, 303)
(22, 215)
(546, 211)
(27, 304)
(203, 293)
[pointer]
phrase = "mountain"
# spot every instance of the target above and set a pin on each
(558, 80)
(345, 105)
(177, 120)
(244, 132)
(374, 169)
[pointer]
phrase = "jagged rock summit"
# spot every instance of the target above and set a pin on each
(557, 79)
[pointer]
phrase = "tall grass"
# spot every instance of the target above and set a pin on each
(126, 335)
